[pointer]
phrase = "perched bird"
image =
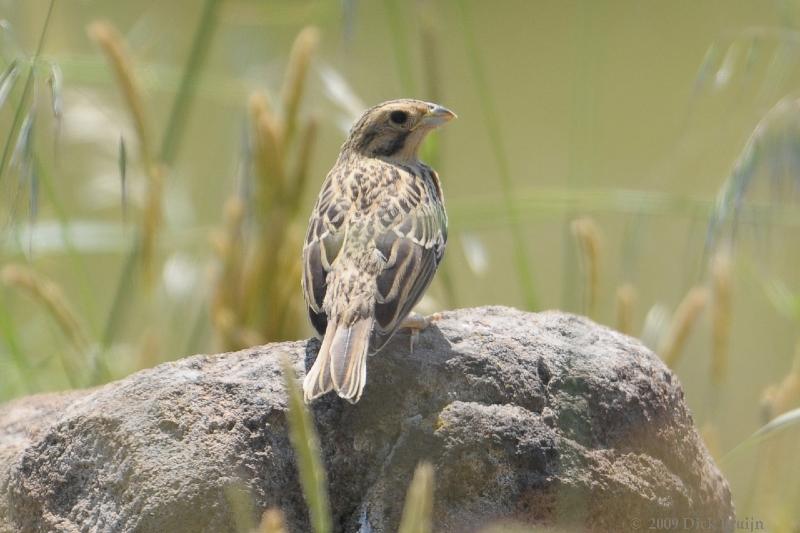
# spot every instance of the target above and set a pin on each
(375, 238)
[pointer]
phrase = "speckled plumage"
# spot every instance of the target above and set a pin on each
(375, 238)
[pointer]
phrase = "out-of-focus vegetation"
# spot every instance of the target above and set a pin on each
(637, 163)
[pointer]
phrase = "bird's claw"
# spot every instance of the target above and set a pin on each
(417, 323)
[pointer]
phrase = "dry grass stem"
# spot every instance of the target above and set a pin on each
(710, 434)
(272, 521)
(284, 307)
(150, 351)
(784, 396)
(151, 220)
(720, 315)
(52, 298)
(228, 246)
(268, 147)
(684, 319)
(588, 236)
(418, 510)
(626, 301)
(256, 290)
(226, 297)
(109, 39)
(307, 141)
(295, 81)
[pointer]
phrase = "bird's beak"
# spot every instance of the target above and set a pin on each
(436, 116)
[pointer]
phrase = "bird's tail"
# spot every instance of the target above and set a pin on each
(342, 361)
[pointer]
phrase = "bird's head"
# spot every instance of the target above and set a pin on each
(395, 129)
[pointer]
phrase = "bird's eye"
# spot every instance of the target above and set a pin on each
(398, 117)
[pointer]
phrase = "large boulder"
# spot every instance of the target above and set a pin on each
(541, 418)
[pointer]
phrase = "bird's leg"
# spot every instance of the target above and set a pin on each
(416, 323)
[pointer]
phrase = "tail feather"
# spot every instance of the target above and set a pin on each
(341, 364)
(348, 355)
(318, 379)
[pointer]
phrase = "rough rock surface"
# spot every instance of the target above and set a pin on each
(541, 418)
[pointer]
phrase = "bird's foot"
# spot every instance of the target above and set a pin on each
(416, 323)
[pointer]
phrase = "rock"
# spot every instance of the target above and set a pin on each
(538, 418)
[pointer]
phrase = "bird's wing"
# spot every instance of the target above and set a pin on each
(413, 247)
(323, 242)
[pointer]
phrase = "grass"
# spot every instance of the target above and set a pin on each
(306, 446)
(20, 113)
(418, 508)
(190, 79)
(83, 309)
(684, 320)
(253, 300)
(522, 263)
(588, 236)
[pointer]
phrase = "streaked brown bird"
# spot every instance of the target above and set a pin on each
(375, 238)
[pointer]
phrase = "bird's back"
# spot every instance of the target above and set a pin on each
(371, 205)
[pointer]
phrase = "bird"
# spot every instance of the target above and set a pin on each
(375, 238)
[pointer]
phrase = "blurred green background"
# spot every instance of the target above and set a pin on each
(631, 118)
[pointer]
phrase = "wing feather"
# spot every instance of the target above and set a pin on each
(414, 247)
(322, 245)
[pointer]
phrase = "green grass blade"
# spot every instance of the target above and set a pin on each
(78, 259)
(21, 158)
(401, 46)
(490, 211)
(522, 262)
(56, 82)
(33, 198)
(242, 507)
(306, 448)
(418, 510)
(186, 90)
(122, 297)
(432, 147)
(18, 357)
(198, 332)
(173, 133)
(788, 420)
(779, 423)
(26, 92)
(7, 80)
(122, 164)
